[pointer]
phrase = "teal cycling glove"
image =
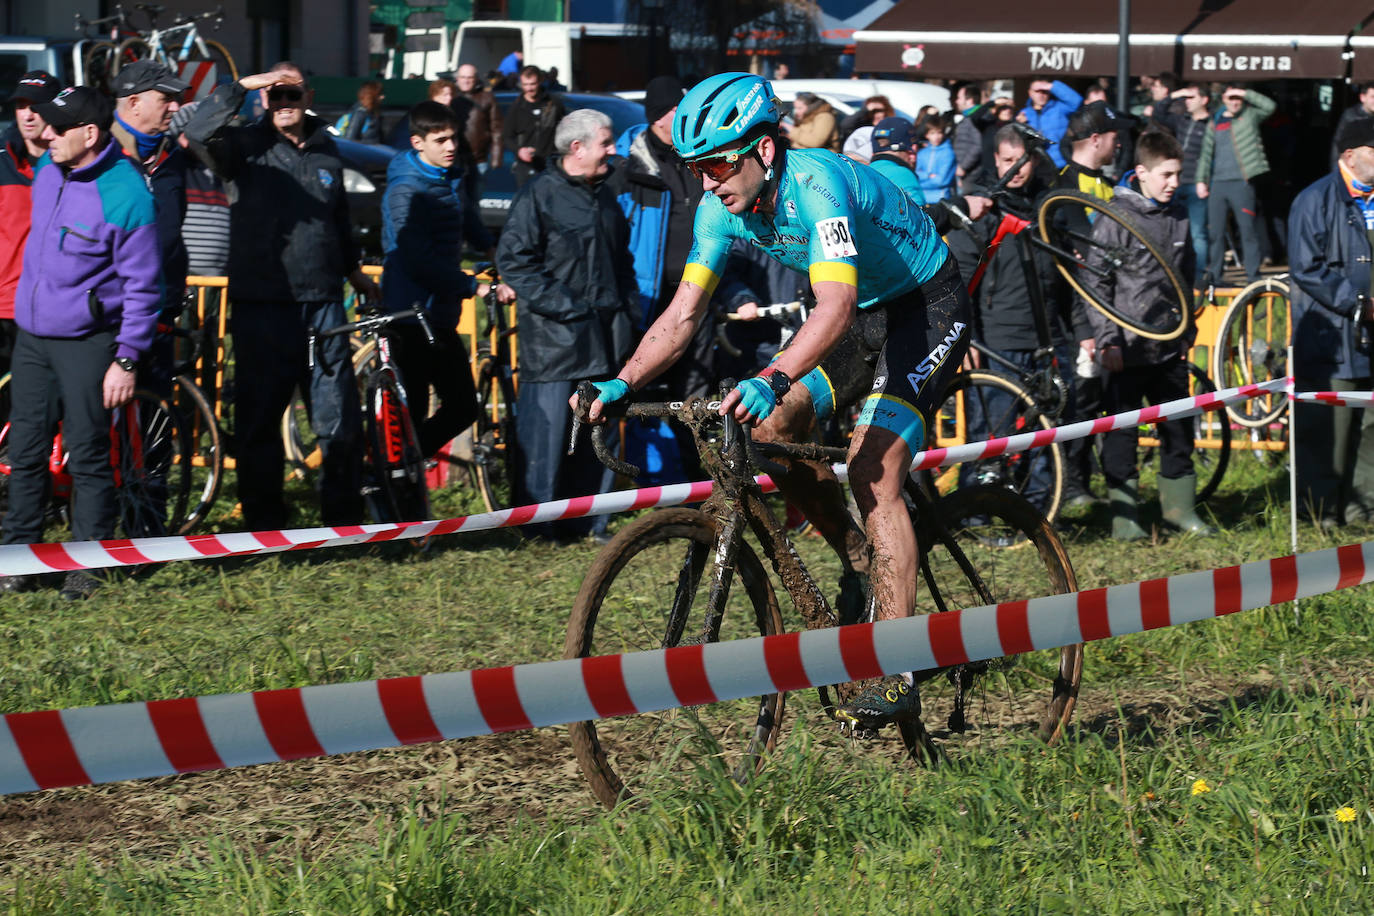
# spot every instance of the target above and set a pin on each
(612, 391)
(757, 397)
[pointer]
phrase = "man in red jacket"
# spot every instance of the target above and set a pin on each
(20, 149)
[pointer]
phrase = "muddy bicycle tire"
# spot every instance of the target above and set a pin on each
(647, 589)
(1139, 254)
(1037, 690)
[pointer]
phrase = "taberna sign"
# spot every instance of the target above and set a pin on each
(1222, 62)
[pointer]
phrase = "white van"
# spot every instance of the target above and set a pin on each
(590, 56)
(905, 95)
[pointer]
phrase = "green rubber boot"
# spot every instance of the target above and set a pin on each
(1125, 516)
(1178, 500)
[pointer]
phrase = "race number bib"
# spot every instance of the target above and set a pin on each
(836, 239)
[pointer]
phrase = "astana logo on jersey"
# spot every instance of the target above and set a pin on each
(932, 362)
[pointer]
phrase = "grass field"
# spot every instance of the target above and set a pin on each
(1220, 767)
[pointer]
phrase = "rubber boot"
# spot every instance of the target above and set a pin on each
(1125, 515)
(1178, 500)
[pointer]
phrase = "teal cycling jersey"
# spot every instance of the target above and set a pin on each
(835, 220)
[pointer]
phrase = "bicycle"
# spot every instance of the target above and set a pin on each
(395, 489)
(492, 461)
(151, 461)
(97, 61)
(175, 46)
(645, 590)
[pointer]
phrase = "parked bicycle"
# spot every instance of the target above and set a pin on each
(395, 489)
(492, 450)
(683, 576)
(176, 46)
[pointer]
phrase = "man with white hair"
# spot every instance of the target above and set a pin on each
(483, 127)
(565, 250)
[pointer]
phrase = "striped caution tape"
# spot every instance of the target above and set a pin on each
(43, 750)
(1335, 398)
(32, 559)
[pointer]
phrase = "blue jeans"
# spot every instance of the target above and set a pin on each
(995, 414)
(1197, 225)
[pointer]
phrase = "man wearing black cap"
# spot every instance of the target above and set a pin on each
(1330, 245)
(1093, 138)
(86, 307)
(660, 196)
(147, 94)
(23, 145)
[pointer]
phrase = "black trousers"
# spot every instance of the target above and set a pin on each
(60, 380)
(1125, 390)
(444, 367)
(271, 361)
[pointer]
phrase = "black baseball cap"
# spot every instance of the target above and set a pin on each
(36, 86)
(77, 105)
(1096, 118)
(891, 134)
(1356, 133)
(142, 75)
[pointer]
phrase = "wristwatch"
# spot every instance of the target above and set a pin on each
(125, 363)
(778, 381)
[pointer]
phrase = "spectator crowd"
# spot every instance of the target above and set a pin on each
(107, 205)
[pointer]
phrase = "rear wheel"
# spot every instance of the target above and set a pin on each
(1031, 693)
(398, 489)
(493, 444)
(1091, 264)
(1252, 346)
(981, 405)
(207, 454)
(151, 456)
(645, 591)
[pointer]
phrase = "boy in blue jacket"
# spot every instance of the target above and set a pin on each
(425, 217)
(935, 163)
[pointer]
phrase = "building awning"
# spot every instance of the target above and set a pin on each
(1198, 39)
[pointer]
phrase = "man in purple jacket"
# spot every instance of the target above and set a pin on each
(86, 307)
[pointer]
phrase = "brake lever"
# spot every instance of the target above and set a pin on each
(959, 215)
(424, 322)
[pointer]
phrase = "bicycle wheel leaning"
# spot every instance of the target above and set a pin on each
(980, 405)
(1032, 692)
(98, 65)
(151, 455)
(397, 490)
(645, 591)
(1252, 346)
(1091, 264)
(207, 453)
(493, 438)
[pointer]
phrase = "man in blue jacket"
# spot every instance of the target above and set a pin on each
(86, 307)
(1048, 110)
(425, 218)
(1330, 227)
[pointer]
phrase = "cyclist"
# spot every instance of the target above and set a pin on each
(890, 325)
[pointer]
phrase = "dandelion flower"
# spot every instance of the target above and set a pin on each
(1345, 815)
(1200, 786)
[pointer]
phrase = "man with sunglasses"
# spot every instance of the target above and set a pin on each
(290, 247)
(890, 327)
(86, 307)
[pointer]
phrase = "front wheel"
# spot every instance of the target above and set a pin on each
(150, 453)
(645, 591)
(398, 487)
(1252, 347)
(1071, 227)
(968, 564)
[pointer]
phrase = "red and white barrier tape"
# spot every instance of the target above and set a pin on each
(1336, 398)
(97, 744)
(31, 559)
